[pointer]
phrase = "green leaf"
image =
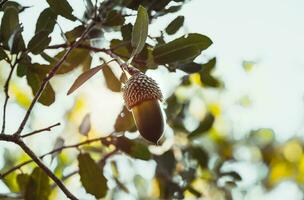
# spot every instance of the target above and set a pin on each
(76, 58)
(200, 155)
(125, 121)
(181, 49)
(140, 30)
(22, 180)
(14, 4)
(126, 32)
(35, 80)
(175, 25)
(114, 18)
(205, 74)
(38, 187)
(46, 21)
(134, 148)
(16, 42)
(111, 81)
(203, 127)
(190, 68)
(75, 33)
(91, 176)
(83, 78)
(39, 42)
(63, 8)
(9, 23)
(85, 125)
(3, 55)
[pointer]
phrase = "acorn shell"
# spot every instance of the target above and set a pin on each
(140, 88)
(142, 96)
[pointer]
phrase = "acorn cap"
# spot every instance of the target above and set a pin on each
(140, 88)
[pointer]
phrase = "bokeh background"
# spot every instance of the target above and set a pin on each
(259, 48)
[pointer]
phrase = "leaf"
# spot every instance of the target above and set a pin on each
(46, 21)
(76, 58)
(3, 55)
(83, 78)
(63, 8)
(200, 155)
(9, 23)
(39, 42)
(75, 33)
(58, 144)
(114, 18)
(140, 30)
(22, 180)
(190, 67)
(16, 42)
(125, 121)
(38, 187)
(91, 176)
(126, 32)
(35, 80)
(175, 25)
(16, 5)
(111, 81)
(85, 125)
(204, 126)
(135, 149)
(181, 49)
(206, 78)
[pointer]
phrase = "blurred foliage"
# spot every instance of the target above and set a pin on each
(193, 165)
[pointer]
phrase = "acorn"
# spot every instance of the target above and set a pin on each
(142, 95)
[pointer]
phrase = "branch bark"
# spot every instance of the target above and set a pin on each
(8, 137)
(50, 75)
(6, 86)
(40, 130)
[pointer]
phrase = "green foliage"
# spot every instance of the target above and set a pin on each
(91, 176)
(205, 75)
(183, 49)
(46, 21)
(39, 42)
(135, 149)
(84, 77)
(37, 185)
(63, 8)
(175, 25)
(111, 80)
(140, 30)
(124, 121)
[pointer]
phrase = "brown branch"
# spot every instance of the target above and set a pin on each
(6, 86)
(40, 130)
(37, 160)
(96, 49)
(50, 75)
(89, 141)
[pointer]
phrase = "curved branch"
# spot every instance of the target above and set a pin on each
(50, 75)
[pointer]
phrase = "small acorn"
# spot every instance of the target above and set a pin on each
(142, 95)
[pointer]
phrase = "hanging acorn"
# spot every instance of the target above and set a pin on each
(142, 95)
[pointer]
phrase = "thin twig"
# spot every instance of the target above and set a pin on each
(50, 75)
(40, 130)
(37, 160)
(6, 87)
(89, 141)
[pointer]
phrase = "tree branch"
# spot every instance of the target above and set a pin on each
(6, 86)
(40, 130)
(50, 75)
(89, 141)
(37, 160)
